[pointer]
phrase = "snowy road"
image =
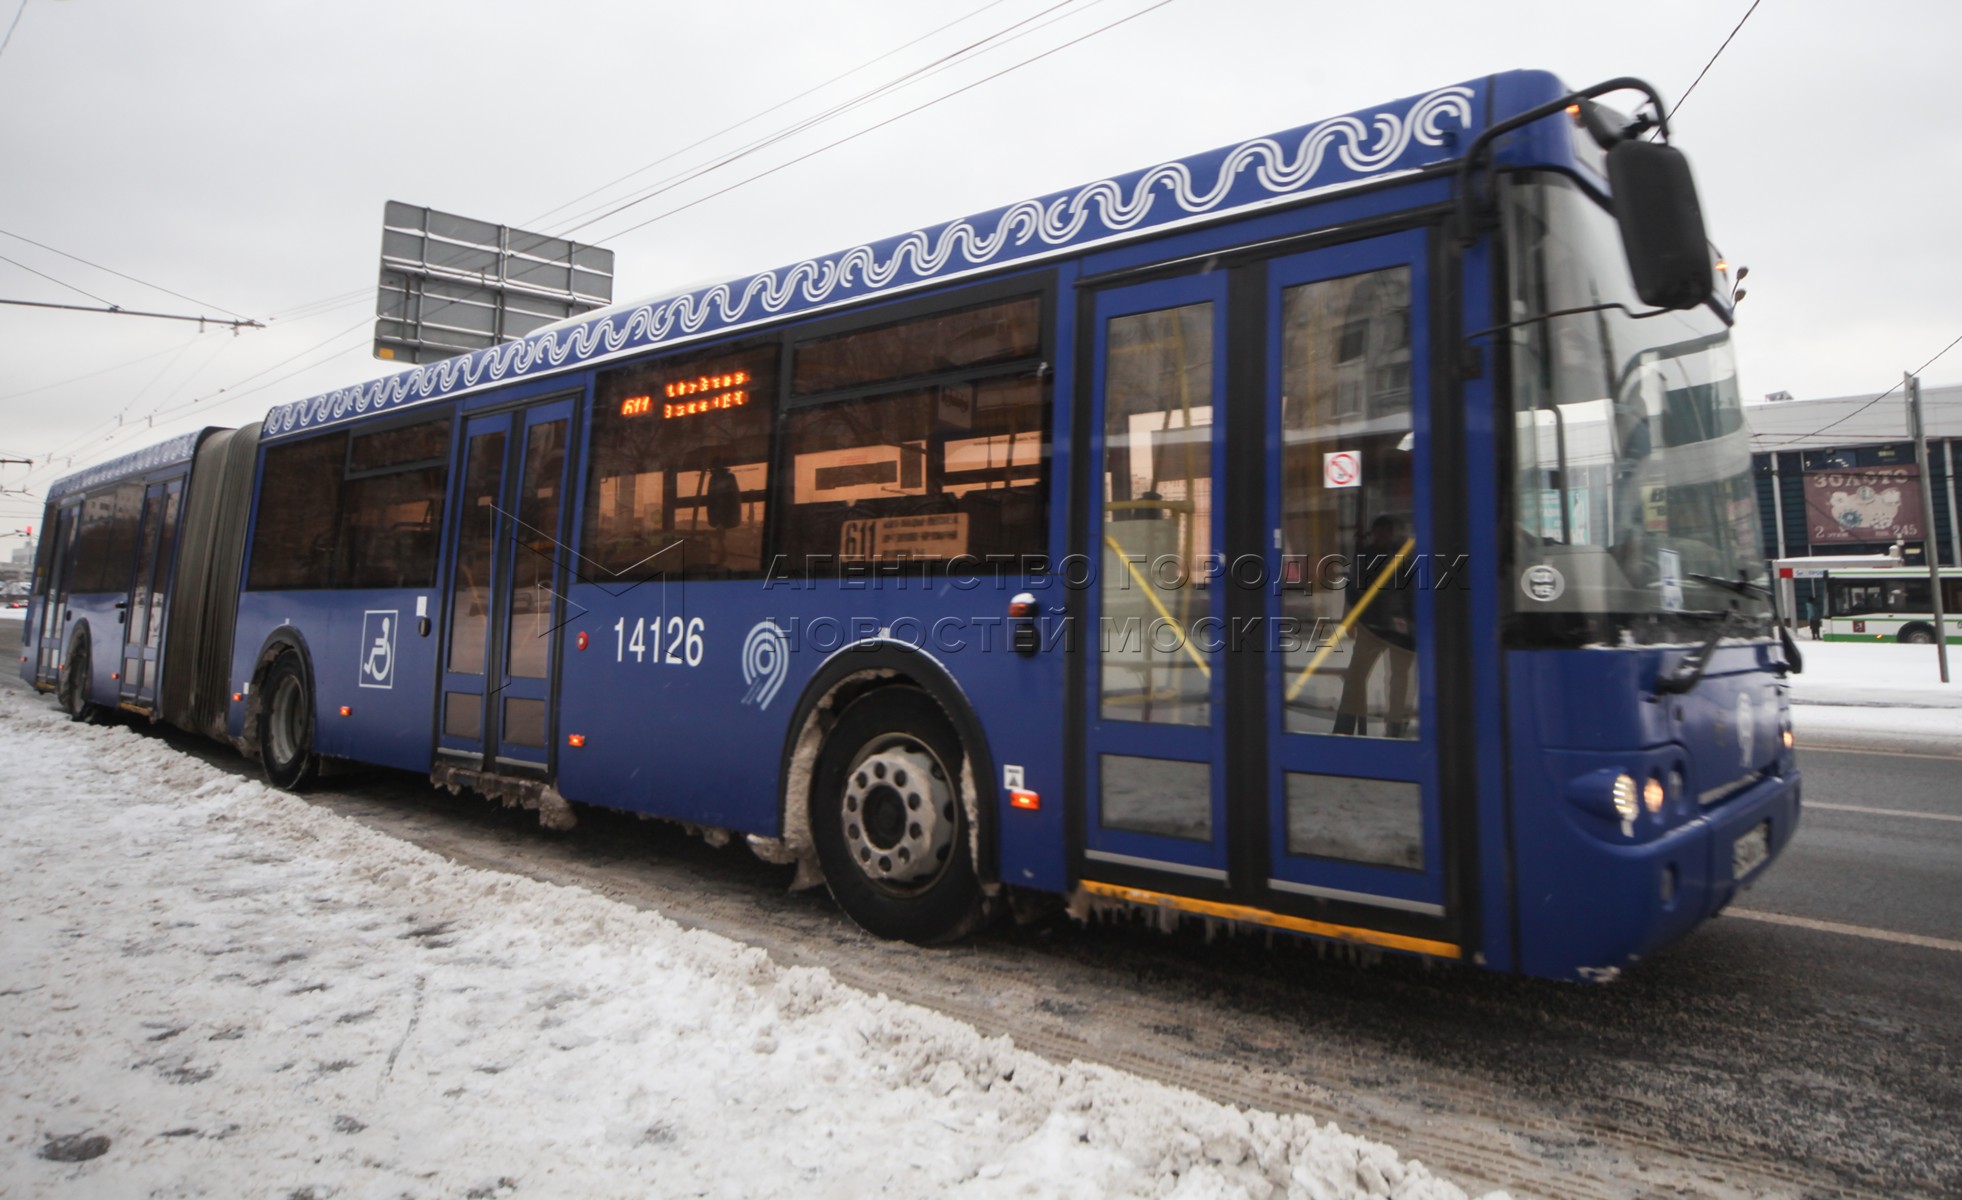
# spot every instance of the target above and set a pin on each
(245, 994)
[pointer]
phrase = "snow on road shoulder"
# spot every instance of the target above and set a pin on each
(1875, 675)
(248, 995)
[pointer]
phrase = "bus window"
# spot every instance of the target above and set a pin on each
(990, 335)
(392, 507)
(1345, 388)
(105, 549)
(1158, 499)
(930, 473)
(388, 527)
(680, 480)
(954, 468)
(299, 507)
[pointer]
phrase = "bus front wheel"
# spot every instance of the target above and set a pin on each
(1918, 635)
(286, 725)
(889, 822)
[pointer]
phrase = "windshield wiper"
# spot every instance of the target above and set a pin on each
(1688, 671)
(1741, 587)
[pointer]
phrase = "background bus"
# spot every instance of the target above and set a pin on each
(1138, 545)
(1890, 604)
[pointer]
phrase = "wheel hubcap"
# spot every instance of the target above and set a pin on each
(899, 814)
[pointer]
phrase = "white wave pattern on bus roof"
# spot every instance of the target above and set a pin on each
(139, 462)
(1243, 176)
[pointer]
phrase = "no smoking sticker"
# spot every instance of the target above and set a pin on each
(1342, 469)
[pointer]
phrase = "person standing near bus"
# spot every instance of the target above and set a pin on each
(1812, 616)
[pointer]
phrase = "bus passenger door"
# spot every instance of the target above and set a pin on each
(1354, 825)
(507, 530)
(1156, 813)
(51, 633)
(143, 610)
(1260, 714)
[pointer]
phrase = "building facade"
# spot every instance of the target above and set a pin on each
(1838, 476)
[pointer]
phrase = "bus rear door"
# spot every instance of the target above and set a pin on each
(51, 630)
(502, 606)
(143, 611)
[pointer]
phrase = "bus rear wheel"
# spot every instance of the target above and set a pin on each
(286, 725)
(891, 829)
(73, 690)
(1918, 635)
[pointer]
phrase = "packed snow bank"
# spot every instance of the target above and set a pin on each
(1884, 697)
(1881, 675)
(248, 995)
(1889, 730)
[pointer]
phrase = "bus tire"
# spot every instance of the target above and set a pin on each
(1917, 635)
(73, 689)
(890, 827)
(286, 725)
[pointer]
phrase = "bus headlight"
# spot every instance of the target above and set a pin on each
(1623, 796)
(1610, 793)
(1652, 795)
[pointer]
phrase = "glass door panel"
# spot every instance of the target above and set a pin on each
(1354, 813)
(143, 613)
(52, 634)
(531, 602)
(502, 608)
(1156, 686)
(469, 615)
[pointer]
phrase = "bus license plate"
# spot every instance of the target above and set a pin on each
(1747, 852)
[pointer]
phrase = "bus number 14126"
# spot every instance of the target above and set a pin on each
(684, 641)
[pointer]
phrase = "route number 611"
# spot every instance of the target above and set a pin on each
(684, 641)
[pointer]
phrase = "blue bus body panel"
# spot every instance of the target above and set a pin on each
(96, 614)
(705, 743)
(390, 722)
(1642, 884)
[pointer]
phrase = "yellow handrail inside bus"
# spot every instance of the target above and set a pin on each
(1151, 594)
(1349, 619)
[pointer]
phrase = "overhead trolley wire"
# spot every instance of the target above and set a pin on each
(1882, 396)
(767, 111)
(972, 49)
(167, 415)
(890, 120)
(59, 282)
(1682, 99)
(43, 387)
(118, 274)
(15, 24)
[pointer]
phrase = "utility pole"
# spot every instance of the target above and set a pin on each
(1931, 551)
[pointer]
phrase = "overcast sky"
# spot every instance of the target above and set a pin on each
(239, 152)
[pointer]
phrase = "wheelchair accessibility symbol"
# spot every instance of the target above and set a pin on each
(378, 648)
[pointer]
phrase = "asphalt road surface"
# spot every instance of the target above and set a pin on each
(1805, 1044)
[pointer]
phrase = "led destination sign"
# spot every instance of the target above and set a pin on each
(710, 393)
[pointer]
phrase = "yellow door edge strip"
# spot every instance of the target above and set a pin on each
(1272, 920)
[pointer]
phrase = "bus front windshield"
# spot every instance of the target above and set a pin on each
(1635, 516)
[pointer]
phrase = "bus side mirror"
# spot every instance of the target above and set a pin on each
(1661, 224)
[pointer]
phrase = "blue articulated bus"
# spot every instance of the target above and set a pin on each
(1348, 532)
